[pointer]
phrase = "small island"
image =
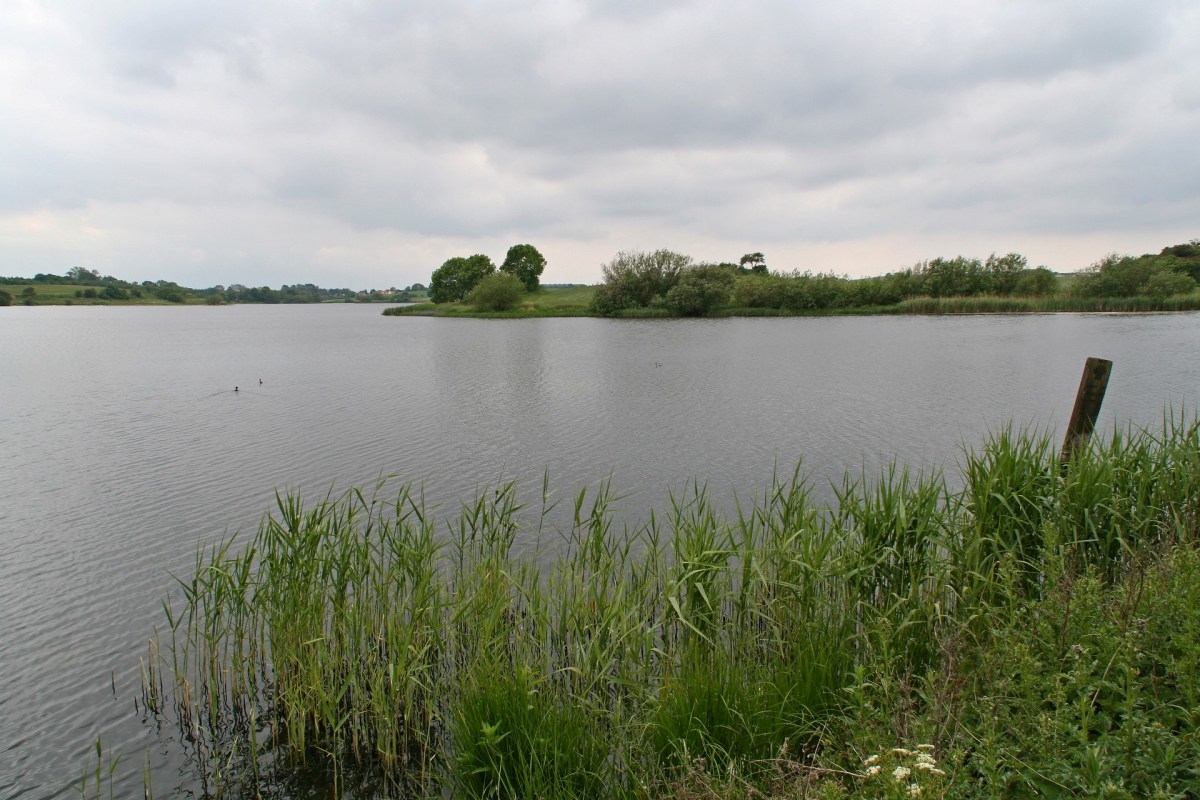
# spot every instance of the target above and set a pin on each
(668, 284)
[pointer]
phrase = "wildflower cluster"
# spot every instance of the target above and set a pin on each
(904, 773)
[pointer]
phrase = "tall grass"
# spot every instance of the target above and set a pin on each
(1063, 302)
(367, 640)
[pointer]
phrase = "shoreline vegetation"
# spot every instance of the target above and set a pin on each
(668, 284)
(1036, 633)
(82, 286)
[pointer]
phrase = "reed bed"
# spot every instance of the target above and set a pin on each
(367, 646)
(1016, 305)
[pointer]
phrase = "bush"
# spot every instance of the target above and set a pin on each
(638, 280)
(700, 289)
(1166, 283)
(759, 291)
(955, 277)
(499, 291)
(5, 298)
(1038, 282)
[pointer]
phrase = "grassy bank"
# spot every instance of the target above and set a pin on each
(67, 294)
(1036, 633)
(545, 302)
(575, 302)
(1019, 305)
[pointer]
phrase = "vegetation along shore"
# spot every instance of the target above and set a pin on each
(668, 284)
(1033, 633)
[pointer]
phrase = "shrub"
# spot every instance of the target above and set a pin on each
(759, 291)
(499, 291)
(700, 289)
(1167, 283)
(638, 280)
(1038, 282)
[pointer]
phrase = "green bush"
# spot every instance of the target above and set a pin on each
(1038, 282)
(499, 291)
(638, 280)
(700, 289)
(1168, 283)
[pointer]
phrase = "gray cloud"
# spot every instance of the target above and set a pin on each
(400, 134)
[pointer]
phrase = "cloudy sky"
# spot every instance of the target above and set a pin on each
(359, 143)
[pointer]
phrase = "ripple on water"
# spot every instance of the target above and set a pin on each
(125, 447)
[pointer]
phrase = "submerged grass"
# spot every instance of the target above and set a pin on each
(364, 640)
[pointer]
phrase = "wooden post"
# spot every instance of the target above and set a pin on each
(1087, 406)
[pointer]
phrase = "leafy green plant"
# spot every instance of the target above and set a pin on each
(497, 292)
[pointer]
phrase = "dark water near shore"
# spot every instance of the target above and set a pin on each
(123, 445)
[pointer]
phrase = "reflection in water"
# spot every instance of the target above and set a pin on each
(125, 447)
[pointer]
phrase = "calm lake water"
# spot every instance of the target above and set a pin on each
(124, 446)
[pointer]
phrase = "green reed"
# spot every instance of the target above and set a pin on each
(986, 304)
(393, 650)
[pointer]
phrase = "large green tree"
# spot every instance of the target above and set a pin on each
(454, 280)
(525, 262)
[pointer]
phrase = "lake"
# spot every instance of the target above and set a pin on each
(125, 446)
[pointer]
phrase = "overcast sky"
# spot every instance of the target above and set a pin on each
(361, 144)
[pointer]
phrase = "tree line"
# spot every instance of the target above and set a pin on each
(476, 279)
(95, 286)
(675, 284)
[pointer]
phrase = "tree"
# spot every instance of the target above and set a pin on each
(82, 275)
(756, 261)
(526, 263)
(1005, 271)
(633, 280)
(5, 298)
(955, 277)
(497, 292)
(1036, 283)
(454, 280)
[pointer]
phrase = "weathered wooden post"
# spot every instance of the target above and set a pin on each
(1087, 406)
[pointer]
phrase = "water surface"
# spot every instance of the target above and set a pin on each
(125, 446)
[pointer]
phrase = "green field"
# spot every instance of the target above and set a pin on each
(67, 294)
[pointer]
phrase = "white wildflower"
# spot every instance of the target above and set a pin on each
(870, 760)
(926, 747)
(900, 773)
(900, 751)
(914, 790)
(872, 770)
